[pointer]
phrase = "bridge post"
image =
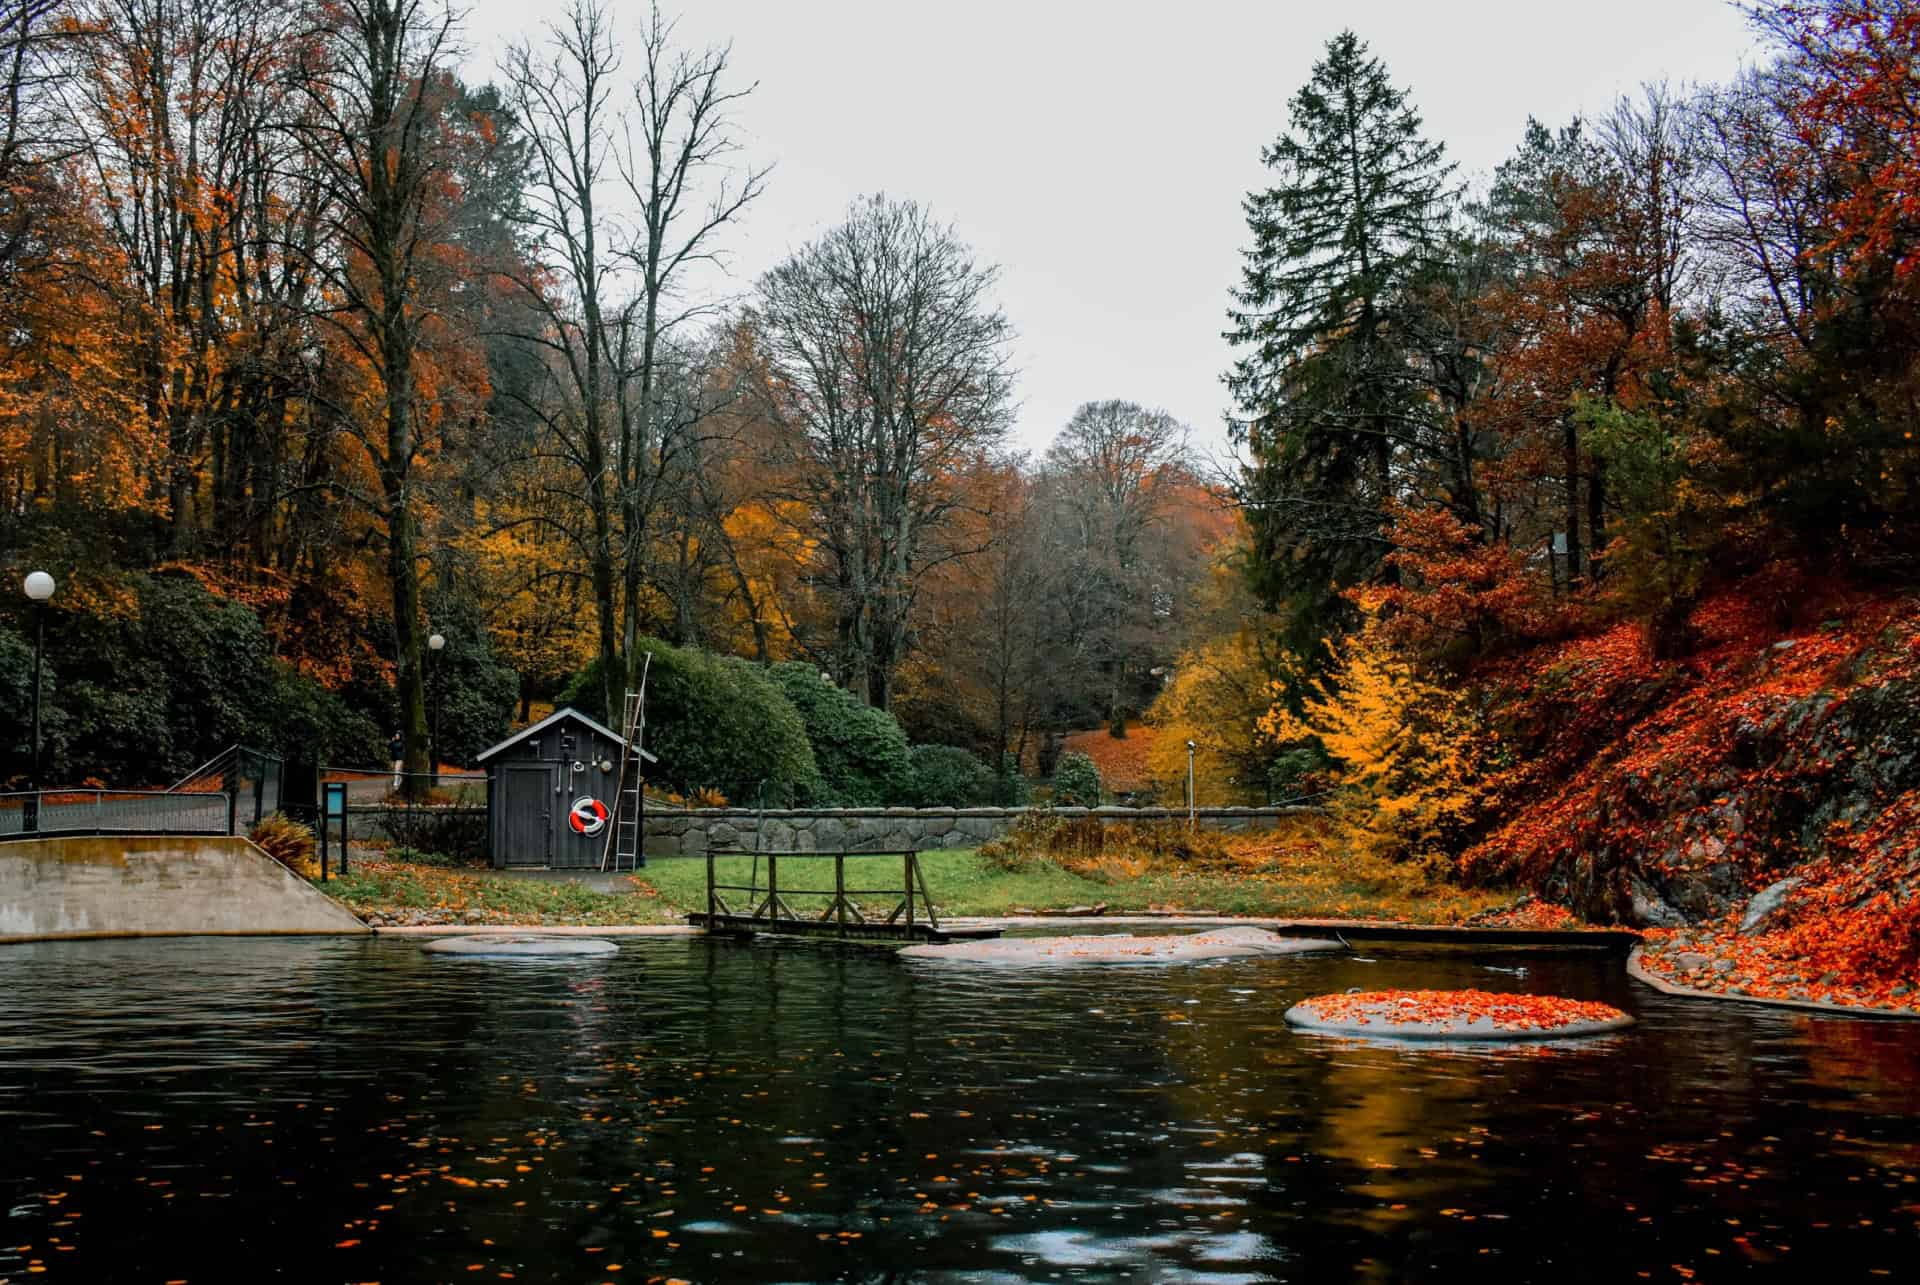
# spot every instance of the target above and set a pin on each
(840, 890)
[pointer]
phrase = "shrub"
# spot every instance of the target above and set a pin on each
(1076, 781)
(1103, 851)
(860, 751)
(946, 776)
(147, 677)
(309, 722)
(718, 723)
(286, 841)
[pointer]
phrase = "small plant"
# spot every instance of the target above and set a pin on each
(286, 841)
(1076, 782)
(708, 797)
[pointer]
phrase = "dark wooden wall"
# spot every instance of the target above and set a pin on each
(540, 771)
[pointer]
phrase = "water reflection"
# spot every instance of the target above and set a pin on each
(327, 1111)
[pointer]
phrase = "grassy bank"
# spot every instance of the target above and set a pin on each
(1262, 879)
(402, 892)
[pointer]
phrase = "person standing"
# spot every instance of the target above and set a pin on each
(397, 751)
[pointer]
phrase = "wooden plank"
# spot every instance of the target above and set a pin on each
(920, 874)
(737, 926)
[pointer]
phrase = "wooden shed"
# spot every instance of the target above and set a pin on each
(547, 785)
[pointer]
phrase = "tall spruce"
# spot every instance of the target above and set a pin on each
(1325, 389)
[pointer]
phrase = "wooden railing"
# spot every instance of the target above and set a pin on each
(771, 909)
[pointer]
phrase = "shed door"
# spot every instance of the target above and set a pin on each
(526, 813)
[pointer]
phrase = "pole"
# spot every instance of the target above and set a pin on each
(433, 732)
(1190, 785)
(39, 647)
(30, 806)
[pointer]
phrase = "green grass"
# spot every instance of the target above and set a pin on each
(395, 888)
(1314, 885)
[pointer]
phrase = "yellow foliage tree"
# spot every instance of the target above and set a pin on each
(1403, 744)
(1217, 698)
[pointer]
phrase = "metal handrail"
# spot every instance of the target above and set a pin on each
(85, 811)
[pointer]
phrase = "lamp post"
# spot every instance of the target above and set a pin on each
(39, 587)
(434, 643)
(1189, 784)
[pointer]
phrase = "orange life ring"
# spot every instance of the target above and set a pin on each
(588, 815)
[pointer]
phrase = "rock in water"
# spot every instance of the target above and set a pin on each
(1122, 948)
(1454, 1015)
(518, 945)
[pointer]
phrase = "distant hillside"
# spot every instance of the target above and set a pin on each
(1122, 760)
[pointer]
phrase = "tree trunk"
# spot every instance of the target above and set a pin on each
(403, 570)
(1572, 439)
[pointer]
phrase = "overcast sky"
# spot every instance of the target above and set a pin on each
(1098, 151)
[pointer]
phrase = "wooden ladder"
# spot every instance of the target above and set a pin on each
(622, 850)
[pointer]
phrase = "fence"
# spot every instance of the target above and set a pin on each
(31, 813)
(443, 812)
(228, 794)
(254, 781)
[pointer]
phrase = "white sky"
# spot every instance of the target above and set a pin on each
(1098, 151)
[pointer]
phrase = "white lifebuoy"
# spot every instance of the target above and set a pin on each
(588, 815)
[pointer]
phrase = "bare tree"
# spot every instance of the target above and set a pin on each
(34, 131)
(632, 186)
(887, 367)
(1112, 475)
(562, 94)
(678, 167)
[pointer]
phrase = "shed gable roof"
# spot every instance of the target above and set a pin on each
(559, 715)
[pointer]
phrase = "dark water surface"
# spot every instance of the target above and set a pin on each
(346, 1110)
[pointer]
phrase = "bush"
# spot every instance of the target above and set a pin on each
(311, 723)
(717, 722)
(1103, 851)
(1076, 781)
(946, 776)
(286, 841)
(147, 677)
(860, 751)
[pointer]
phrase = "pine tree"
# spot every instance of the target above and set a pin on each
(1324, 387)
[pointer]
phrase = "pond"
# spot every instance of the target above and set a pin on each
(354, 1110)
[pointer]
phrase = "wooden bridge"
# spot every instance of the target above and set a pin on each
(771, 909)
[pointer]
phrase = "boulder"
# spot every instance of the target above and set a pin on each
(1767, 905)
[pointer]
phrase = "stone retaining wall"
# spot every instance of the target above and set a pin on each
(894, 829)
(676, 832)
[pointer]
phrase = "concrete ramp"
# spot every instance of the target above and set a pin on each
(155, 886)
